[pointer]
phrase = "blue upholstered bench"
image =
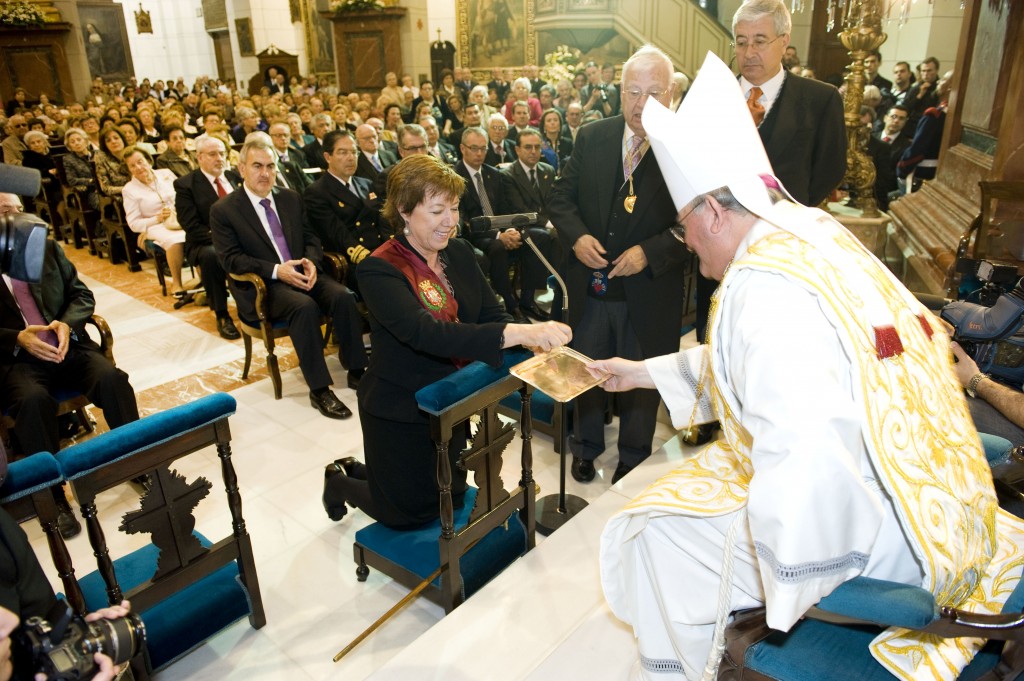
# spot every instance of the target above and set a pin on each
(208, 589)
(493, 527)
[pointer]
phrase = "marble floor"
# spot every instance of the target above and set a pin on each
(314, 604)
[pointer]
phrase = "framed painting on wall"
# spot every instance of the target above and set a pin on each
(319, 37)
(496, 33)
(106, 41)
(243, 31)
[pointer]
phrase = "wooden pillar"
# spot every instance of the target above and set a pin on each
(367, 45)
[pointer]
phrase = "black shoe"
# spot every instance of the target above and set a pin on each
(353, 378)
(226, 328)
(67, 523)
(700, 435)
(582, 470)
(329, 405)
(145, 481)
(333, 499)
(353, 467)
(620, 472)
(519, 317)
(535, 312)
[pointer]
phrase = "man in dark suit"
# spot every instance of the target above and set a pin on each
(194, 195)
(412, 140)
(464, 81)
(260, 229)
(923, 95)
(531, 178)
(287, 167)
(871, 74)
(894, 132)
(499, 83)
(342, 208)
(437, 147)
(520, 121)
(372, 157)
(44, 345)
(499, 148)
(624, 270)
(314, 151)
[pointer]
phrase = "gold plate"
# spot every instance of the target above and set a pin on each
(561, 373)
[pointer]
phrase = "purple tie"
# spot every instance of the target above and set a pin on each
(29, 308)
(276, 230)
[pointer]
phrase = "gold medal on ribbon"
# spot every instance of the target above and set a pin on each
(630, 200)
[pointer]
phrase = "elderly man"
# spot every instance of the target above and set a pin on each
(321, 124)
(624, 270)
(260, 229)
(372, 157)
(412, 140)
(287, 165)
(194, 195)
(14, 144)
(500, 149)
(437, 147)
(830, 467)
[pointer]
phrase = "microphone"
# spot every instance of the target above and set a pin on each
(500, 223)
(18, 180)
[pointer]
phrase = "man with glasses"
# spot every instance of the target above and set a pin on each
(373, 158)
(412, 140)
(499, 148)
(287, 165)
(624, 270)
(14, 144)
(194, 195)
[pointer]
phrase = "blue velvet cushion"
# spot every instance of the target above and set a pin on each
(29, 475)
(452, 389)
(815, 650)
(886, 603)
(119, 443)
(417, 550)
(186, 619)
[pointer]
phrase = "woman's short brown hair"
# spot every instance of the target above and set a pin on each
(136, 149)
(103, 137)
(413, 180)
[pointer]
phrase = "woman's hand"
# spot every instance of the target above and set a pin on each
(538, 337)
(165, 213)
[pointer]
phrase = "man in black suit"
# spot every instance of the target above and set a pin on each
(412, 140)
(531, 72)
(499, 83)
(464, 81)
(372, 157)
(194, 195)
(923, 95)
(499, 248)
(342, 208)
(314, 151)
(287, 167)
(871, 74)
(531, 178)
(260, 229)
(44, 345)
(437, 147)
(499, 148)
(624, 270)
(597, 95)
(520, 121)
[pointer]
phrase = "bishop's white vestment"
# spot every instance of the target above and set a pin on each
(846, 450)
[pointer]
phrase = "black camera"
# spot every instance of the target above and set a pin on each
(996, 278)
(62, 646)
(22, 246)
(604, 91)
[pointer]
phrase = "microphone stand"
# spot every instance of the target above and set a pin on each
(554, 510)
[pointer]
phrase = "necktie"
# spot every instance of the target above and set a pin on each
(887, 139)
(756, 109)
(29, 308)
(221, 191)
(376, 163)
(499, 149)
(533, 180)
(279, 179)
(633, 155)
(485, 200)
(276, 230)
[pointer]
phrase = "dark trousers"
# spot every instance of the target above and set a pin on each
(213, 277)
(533, 276)
(302, 310)
(605, 331)
(28, 386)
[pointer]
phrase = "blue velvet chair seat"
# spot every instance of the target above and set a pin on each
(417, 550)
(182, 622)
(30, 475)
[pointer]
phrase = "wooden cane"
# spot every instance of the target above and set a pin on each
(394, 609)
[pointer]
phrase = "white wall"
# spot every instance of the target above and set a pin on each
(932, 30)
(178, 46)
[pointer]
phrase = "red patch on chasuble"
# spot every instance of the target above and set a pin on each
(887, 342)
(925, 325)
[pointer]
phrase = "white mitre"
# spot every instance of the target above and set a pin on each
(710, 142)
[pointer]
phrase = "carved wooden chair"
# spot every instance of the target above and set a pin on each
(68, 401)
(81, 227)
(464, 549)
(184, 587)
(267, 330)
(122, 241)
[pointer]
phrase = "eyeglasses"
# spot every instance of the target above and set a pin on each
(637, 93)
(679, 229)
(531, 147)
(475, 149)
(421, 147)
(758, 45)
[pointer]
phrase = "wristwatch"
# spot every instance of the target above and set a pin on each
(972, 387)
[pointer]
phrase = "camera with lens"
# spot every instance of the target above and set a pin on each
(62, 646)
(603, 89)
(22, 245)
(990, 331)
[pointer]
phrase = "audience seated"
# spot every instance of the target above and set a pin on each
(557, 142)
(373, 159)
(176, 157)
(412, 140)
(14, 145)
(499, 148)
(521, 93)
(78, 166)
(314, 151)
(289, 171)
(436, 146)
(110, 169)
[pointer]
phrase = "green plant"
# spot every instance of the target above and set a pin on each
(20, 13)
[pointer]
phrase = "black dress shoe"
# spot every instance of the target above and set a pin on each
(226, 328)
(353, 467)
(582, 470)
(353, 378)
(329, 405)
(620, 472)
(519, 317)
(67, 523)
(535, 312)
(333, 498)
(700, 435)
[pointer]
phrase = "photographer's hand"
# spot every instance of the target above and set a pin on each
(106, 671)
(965, 367)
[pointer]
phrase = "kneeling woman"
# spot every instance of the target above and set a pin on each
(431, 312)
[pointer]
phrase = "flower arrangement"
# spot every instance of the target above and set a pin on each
(356, 6)
(21, 13)
(560, 64)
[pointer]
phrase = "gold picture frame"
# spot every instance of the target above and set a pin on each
(496, 33)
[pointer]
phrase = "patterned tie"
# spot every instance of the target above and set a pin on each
(276, 230)
(533, 180)
(633, 156)
(29, 308)
(485, 200)
(756, 109)
(221, 191)
(376, 163)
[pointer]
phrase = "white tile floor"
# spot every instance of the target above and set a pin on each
(314, 604)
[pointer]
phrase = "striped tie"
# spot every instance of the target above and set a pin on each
(633, 156)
